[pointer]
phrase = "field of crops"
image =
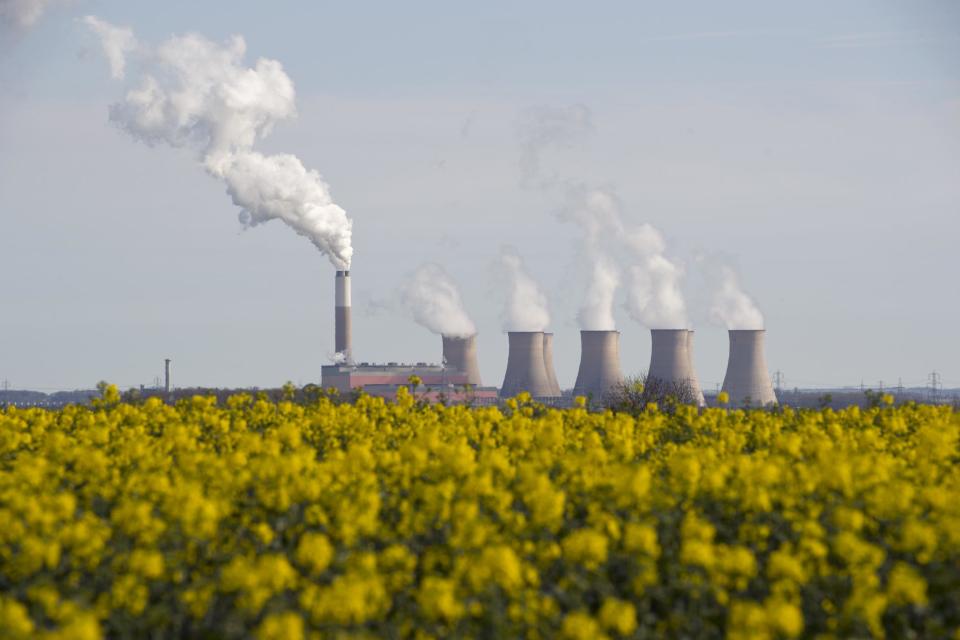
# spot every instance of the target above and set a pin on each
(283, 520)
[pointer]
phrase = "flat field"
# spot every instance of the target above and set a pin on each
(375, 519)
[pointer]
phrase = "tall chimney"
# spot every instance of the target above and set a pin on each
(599, 364)
(166, 377)
(747, 380)
(525, 370)
(548, 365)
(342, 328)
(461, 354)
(671, 359)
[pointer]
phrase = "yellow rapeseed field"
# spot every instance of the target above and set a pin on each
(378, 519)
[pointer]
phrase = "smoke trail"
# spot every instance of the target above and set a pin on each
(198, 94)
(117, 42)
(431, 295)
(22, 14)
(541, 128)
(527, 308)
(654, 294)
(594, 211)
(596, 312)
(731, 306)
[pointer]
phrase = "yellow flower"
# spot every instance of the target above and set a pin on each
(314, 552)
(906, 586)
(438, 600)
(281, 626)
(618, 616)
(15, 621)
(586, 547)
(580, 626)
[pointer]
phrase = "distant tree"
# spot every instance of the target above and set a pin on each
(635, 393)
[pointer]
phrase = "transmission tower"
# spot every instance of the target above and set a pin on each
(935, 386)
(778, 381)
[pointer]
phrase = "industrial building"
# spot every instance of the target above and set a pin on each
(671, 359)
(527, 365)
(747, 380)
(457, 379)
(599, 371)
(530, 365)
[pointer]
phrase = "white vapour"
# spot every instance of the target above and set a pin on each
(199, 94)
(595, 212)
(543, 127)
(431, 295)
(116, 42)
(653, 282)
(731, 306)
(654, 289)
(22, 14)
(527, 308)
(596, 311)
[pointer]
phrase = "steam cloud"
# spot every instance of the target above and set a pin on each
(653, 281)
(654, 295)
(117, 42)
(198, 94)
(432, 297)
(541, 128)
(527, 308)
(594, 212)
(731, 306)
(22, 14)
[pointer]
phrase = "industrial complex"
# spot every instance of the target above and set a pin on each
(530, 365)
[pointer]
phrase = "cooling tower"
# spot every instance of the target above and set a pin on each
(342, 329)
(671, 359)
(599, 364)
(548, 365)
(747, 380)
(460, 354)
(525, 370)
(700, 401)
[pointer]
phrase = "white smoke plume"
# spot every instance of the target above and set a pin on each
(117, 42)
(595, 212)
(731, 306)
(544, 127)
(23, 14)
(527, 308)
(596, 311)
(431, 295)
(199, 94)
(654, 289)
(654, 294)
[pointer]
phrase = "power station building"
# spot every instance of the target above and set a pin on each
(530, 365)
(457, 379)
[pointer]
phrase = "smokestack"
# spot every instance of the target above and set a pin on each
(548, 365)
(599, 364)
(671, 359)
(747, 380)
(525, 368)
(342, 328)
(166, 377)
(461, 354)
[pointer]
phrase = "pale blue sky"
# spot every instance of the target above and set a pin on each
(816, 145)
